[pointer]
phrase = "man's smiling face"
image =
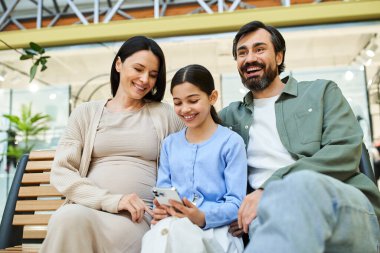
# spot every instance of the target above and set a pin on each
(257, 60)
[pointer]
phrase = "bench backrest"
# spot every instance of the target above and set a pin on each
(36, 200)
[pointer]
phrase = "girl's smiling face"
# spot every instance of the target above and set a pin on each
(192, 105)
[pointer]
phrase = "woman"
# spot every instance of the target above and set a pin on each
(106, 161)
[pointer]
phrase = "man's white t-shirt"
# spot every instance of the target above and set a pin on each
(265, 151)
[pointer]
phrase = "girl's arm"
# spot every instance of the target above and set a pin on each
(163, 180)
(235, 174)
(213, 214)
(163, 174)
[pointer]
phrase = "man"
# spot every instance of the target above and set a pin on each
(303, 146)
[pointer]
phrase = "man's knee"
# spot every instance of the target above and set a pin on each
(304, 177)
(315, 182)
(304, 187)
(304, 181)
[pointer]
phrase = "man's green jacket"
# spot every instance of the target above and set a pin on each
(318, 128)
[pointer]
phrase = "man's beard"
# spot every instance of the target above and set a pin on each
(258, 83)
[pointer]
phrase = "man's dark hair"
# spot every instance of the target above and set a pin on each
(276, 37)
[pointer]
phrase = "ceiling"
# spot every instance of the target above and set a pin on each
(86, 67)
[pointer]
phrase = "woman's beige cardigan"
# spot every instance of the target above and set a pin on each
(73, 155)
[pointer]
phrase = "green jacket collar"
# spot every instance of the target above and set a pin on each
(290, 86)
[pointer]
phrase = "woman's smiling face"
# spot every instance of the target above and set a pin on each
(138, 74)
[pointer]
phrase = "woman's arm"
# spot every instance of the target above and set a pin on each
(65, 170)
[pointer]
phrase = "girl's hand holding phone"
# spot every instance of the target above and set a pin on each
(159, 212)
(187, 209)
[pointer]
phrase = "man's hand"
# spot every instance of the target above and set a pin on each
(234, 229)
(135, 206)
(159, 213)
(188, 210)
(248, 209)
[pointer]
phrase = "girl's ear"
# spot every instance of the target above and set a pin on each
(118, 64)
(213, 97)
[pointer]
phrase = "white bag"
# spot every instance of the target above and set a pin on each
(180, 235)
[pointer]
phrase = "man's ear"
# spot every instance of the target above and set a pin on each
(118, 64)
(213, 97)
(279, 57)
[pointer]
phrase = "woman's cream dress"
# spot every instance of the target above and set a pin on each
(123, 161)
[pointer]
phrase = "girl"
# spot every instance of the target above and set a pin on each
(207, 164)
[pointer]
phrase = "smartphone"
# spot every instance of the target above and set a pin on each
(164, 194)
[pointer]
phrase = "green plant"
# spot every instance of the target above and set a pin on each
(35, 53)
(23, 130)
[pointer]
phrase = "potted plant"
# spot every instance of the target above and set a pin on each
(22, 132)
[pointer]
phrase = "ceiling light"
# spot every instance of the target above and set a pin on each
(33, 87)
(52, 96)
(370, 52)
(368, 62)
(349, 75)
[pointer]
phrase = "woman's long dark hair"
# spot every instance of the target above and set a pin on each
(200, 77)
(132, 46)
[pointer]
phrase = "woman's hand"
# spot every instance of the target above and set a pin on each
(159, 212)
(135, 206)
(188, 210)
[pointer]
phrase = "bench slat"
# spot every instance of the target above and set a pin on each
(38, 191)
(31, 219)
(35, 186)
(38, 205)
(41, 155)
(36, 178)
(25, 248)
(7, 250)
(39, 166)
(31, 233)
(14, 249)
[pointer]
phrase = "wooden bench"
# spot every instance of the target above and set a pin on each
(30, 204)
